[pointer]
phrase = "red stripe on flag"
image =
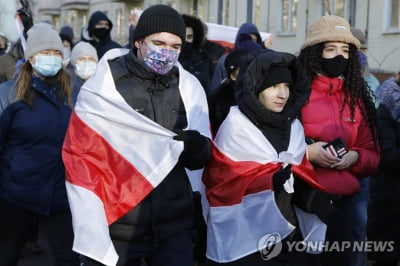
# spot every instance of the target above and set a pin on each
(92, 163)
(305, 171)
(227, 181)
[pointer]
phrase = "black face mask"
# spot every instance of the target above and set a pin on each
(187, 49)
(334, 67)
(101, 33)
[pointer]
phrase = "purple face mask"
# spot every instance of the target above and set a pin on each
(160, 60)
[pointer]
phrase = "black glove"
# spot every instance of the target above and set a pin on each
(193, 141)
(322, 206)
(280, 177)
(196, 150)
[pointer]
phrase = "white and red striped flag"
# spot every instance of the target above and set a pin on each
(115, 156)
(240, 191)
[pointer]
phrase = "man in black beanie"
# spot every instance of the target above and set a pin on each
(156, 225)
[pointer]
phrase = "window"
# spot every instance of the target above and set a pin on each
(334, 7)
(391, 16)
(225, 13)
(289, 19)
(342, 8)
(120, 21)
(76, 18)
(394, 16)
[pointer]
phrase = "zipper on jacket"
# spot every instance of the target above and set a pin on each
(330, 87)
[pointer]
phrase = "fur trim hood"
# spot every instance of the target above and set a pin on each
(198, 29)
(388, 94)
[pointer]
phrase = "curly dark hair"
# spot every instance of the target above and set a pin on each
(357, 93)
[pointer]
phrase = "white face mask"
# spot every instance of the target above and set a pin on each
(85, 69)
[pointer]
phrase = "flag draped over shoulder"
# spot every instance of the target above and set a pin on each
(114, 156)
(240, 192)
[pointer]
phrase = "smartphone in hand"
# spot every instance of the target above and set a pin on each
(337, 147)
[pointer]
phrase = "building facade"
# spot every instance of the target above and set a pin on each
(287, 20)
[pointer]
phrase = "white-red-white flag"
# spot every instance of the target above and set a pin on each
(239, 189)
(114, 156)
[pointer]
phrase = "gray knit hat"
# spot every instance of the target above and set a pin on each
(42, 37)
(330, 28)
(359, 36)
(160, 18)
(82, 49)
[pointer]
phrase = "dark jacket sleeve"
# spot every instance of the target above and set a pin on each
(5, 119)
(315, 201)
(219, 75)
(389, 141)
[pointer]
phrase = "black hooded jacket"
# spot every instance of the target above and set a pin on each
(274, 126)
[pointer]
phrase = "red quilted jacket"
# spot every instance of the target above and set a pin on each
(323, 122)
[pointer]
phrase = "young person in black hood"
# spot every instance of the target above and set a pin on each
(258, 161)
(99, 33)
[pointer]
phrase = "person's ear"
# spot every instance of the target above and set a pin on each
(137, 44)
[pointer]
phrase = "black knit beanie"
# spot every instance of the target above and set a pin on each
(160, 18)
(233, 60)
(275, 75)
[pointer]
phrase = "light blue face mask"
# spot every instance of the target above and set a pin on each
(47, 65)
